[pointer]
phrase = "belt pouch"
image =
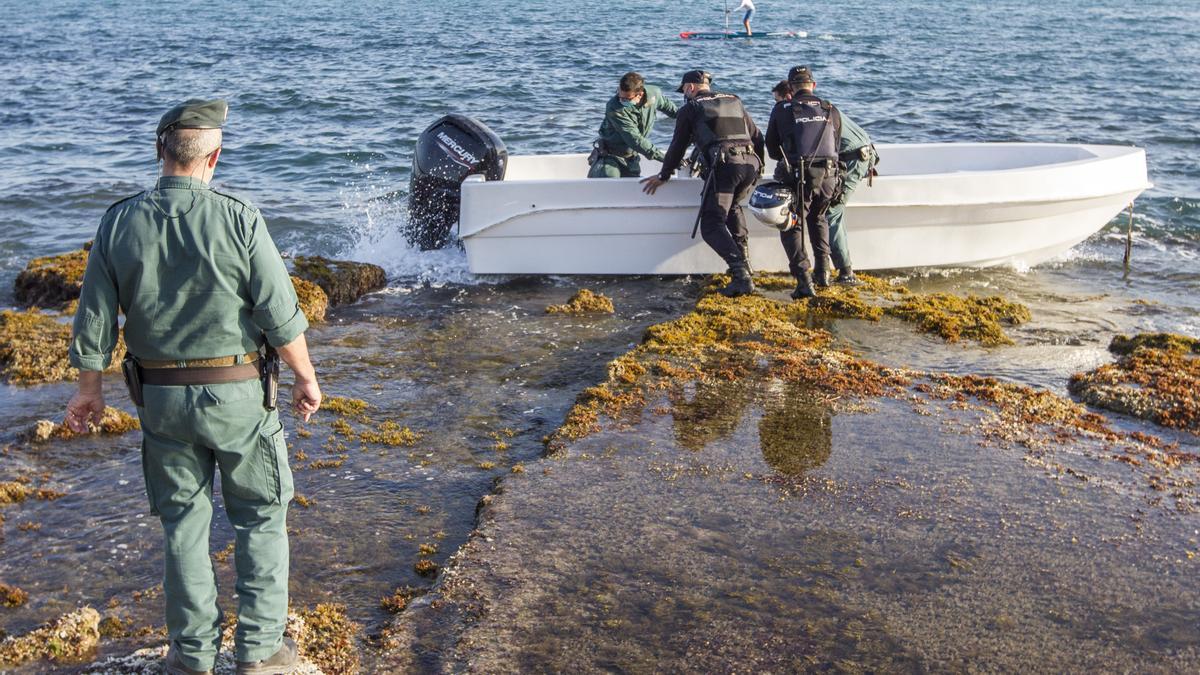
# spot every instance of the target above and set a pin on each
(133, 379)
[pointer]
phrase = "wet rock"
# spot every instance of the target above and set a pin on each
(313, 301)
(955, 318)
(113, 423)
(584, 302)
(149, 661)
(331, 640)
(70, 637)
(1156, 378)
(343, 281)
(11, 596)
(52, 281)
(33, 348)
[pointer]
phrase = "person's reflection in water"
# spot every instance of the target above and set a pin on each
(713, 413)
(796, 431)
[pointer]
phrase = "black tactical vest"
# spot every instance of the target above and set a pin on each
(816, 131)
(724, 122)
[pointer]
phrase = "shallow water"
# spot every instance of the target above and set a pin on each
(327, 100)
(749, 529)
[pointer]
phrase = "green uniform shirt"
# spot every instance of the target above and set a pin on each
(626, 130)
(853, 136)
(195, 272)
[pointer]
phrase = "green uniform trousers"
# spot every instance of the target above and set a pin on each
(611, 166)
(839, 246)
(188, 431)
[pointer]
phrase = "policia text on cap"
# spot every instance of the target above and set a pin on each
(204, 291)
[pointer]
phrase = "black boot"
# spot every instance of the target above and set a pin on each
(744, 247)
(847, 277)
(741, 283)
(804, 287)
(820, 276)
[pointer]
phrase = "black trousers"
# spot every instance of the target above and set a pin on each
(814, 196)
(722, 223)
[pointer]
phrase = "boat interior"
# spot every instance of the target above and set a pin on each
(914, 159)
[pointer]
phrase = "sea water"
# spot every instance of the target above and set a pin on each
(327, 100)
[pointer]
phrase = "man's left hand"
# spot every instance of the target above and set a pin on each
(650, 184)
(84, 407)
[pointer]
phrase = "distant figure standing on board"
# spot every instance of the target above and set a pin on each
(731, 159)
(625, 132)
(747, 5)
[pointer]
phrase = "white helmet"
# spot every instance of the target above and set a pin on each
(771, 203)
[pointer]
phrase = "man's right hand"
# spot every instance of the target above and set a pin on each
(306, 398)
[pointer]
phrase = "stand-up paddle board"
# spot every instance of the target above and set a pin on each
(700, 35)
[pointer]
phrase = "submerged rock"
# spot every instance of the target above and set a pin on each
(70, 637)
(1156, 378)
(11, 596)
(331, 641)
(957, 318)
(52, 281)
(584, 302)
(149, 661)
(343, 281)
(313, 301)
(33, 348)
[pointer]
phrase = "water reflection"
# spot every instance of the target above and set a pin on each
(796, 431)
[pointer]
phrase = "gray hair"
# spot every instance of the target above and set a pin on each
(186, 146)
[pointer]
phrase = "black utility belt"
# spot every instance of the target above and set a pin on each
(606, 152)
(739, 150)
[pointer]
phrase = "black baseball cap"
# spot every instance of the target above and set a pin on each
(800, 74)
(694, 77)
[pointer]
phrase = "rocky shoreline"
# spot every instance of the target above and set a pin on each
(735, 349)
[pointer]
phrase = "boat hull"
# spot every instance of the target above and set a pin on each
(1003, 217)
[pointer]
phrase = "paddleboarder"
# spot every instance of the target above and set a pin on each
(747, 5)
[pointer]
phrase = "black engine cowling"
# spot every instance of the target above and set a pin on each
(451, 149)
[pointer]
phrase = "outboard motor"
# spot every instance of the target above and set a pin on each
(451, 149)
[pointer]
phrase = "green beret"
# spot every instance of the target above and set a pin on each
(194, 114)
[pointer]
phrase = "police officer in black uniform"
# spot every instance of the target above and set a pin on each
(803, 136)
(730, 151)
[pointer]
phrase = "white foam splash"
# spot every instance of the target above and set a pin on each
(376, 223)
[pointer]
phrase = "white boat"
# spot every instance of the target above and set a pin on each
(933, 204)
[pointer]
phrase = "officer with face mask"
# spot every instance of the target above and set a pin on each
(624, 135)
(730, 151)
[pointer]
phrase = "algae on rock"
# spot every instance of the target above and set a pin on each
(70, 637)
(331, 640)
(955, 318)
(343, 281)
(313, 301)
(52, 281)
(584, 302)
(1156, 378)
(114, 422)
(33, 348)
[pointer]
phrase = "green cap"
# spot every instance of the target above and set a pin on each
(194, 114)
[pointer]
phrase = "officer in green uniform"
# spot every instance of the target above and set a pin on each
(624, 134)
(857, 155)
(203, 290)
